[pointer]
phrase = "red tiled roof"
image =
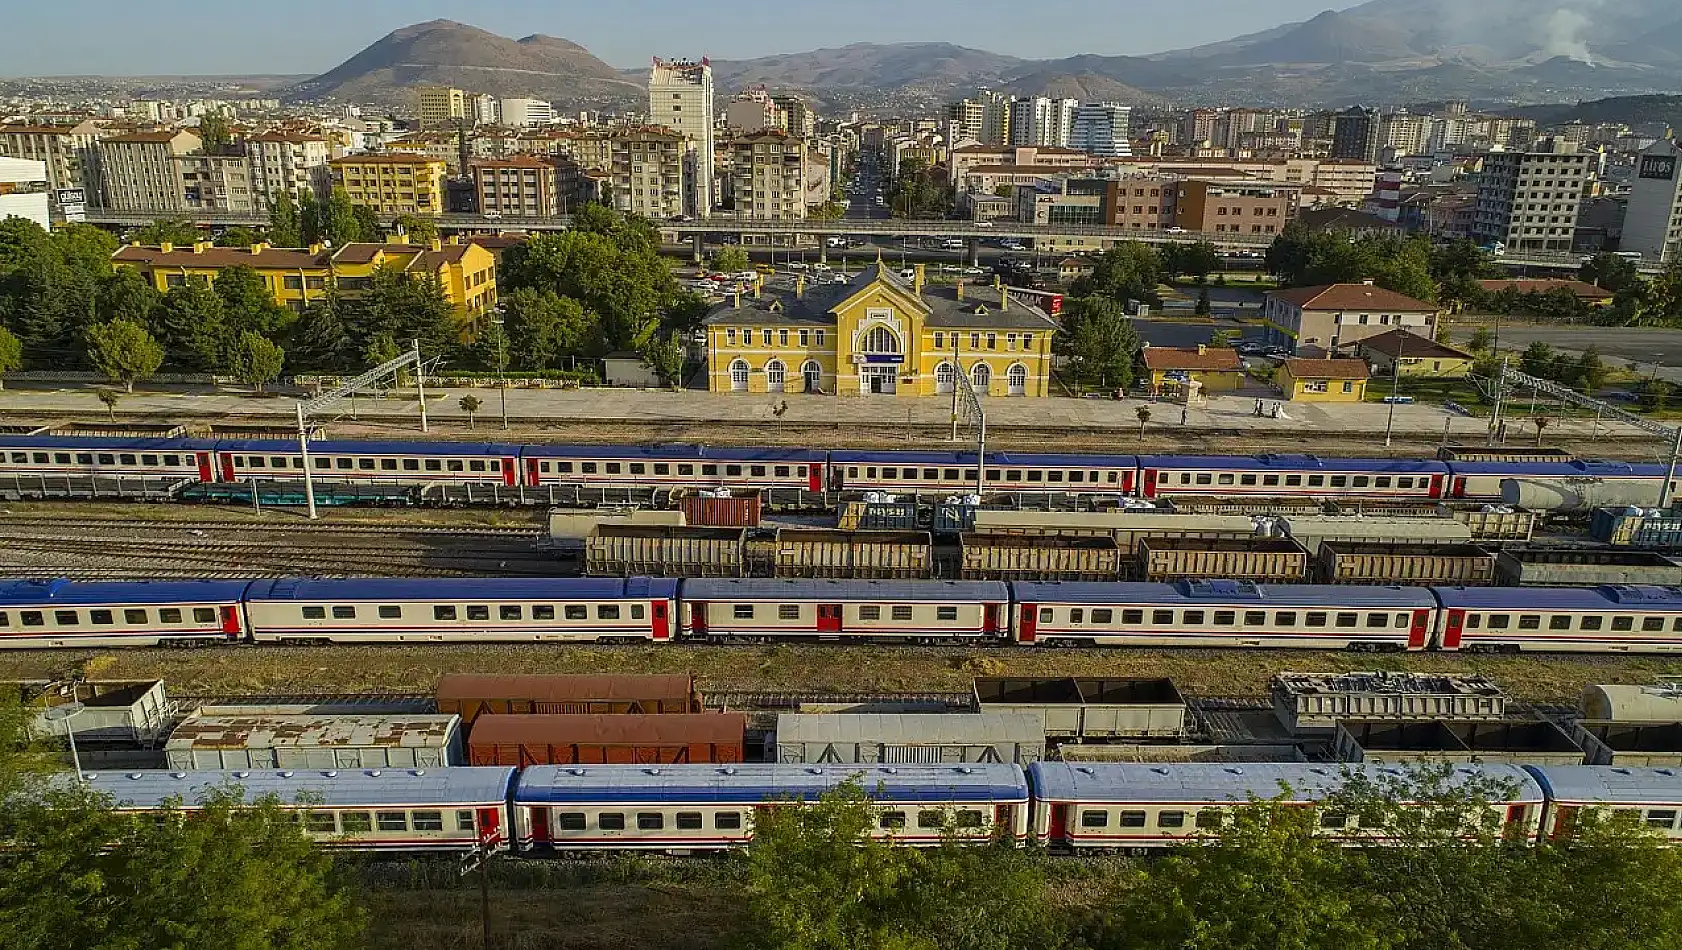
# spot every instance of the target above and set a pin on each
(220, 257)
(388, 158)
(167, 135)
(1219, 359)
(1351, 297)
(1327, 369)
(1410, 346)
(1541, 285)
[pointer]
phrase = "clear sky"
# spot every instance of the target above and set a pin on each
(178, 37)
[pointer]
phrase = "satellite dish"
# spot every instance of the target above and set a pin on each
(66, 711)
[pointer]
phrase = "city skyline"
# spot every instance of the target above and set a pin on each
(290, 40)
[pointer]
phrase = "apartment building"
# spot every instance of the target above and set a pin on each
(1653, 224)
(768, 176)
(140, 171)
(23, 191)
(518, 186)
(1235, 206)
(751, 111)
(220, 184)
(1102, 129)
(442, 107)
(1405, 133)
(795, 117)
(1144, 203)
(1351, 182)
(649, 169)
(392, 183)
(680, 98)
(1042, 121)
(1530, 200)
(286, 163)
(70, 153)
(1355, 136)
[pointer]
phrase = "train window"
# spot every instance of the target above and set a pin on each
(1592, 623)
(893, 473)
(650, 821)
(662, 468)
(1410, 483)
(366, 465)
(993, 475)
(577, 612)
(352, 822)
(757, 471)
(1255, 618)
(1347, 619)
(392, 820)
(1271, 481)
(443, 612)
(1316, 481)
(709, 470)
(102, 618)
(454, 465)
(607, 611)
(1077, 615)
(321, 822)
(870, 613)
(126, 459)
(636, 611)
(946, 613)
(496, 465)
(1192, 618)
(1623, 623)
(638, 468)
(428, 820)
(929, 818)
(1474, 621)
(1403, 620)
(970, 818)
(588, 468)
(1285, 618)
(66, 618)
(464, 820)
(1661, 818)
(1170, 819)
(1247, 480)
(1208, 818)
(892, 819)
(1361, 481)
(168, 615)
(571, 821)
(5, 619)
(82, 458)
(1293, 481)
(1314, 618)
(1103, 616)
(1132, 616)
(478, 612)
(1035, 475)
(742, 611)
(1226, 478)
(20, 458)
(1332, 819)
(727, 820)
(1340, 481)
(1094, 819)
(543, 612)
(413, 465)
(391, 612)
(434, 465)
(257, 462)
(1132, 819)
(1225, 618)
(339, 613)
(1378, 621)
(868, 473)
(1162, 618)
(1013, 475)
(1530, 622)
(32, 618)
(1499, 621)
(311, 613)
(511, 612)
(1204, 479)
(612, 821)
(970, 474)
(106, 458)
(1382, 481)
(1074, 477)
(386, 465)
(344, 464)
(734, 471)
(931, 474)
(788, 612)
(681, 469)
(168, 460)
(1559, 622)
(1676, 625)
(134, 616)
(689, 821)
(614, 468)
(781, 471)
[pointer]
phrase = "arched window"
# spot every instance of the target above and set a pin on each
(880, 339)
(776, 376)
(945, 379)
(982, 376)
(739, 376)
(813, 375)
(1017, 378)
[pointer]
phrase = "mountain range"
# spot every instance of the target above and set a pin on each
(1381, 52)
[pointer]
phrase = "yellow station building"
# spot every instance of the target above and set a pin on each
(879, 335)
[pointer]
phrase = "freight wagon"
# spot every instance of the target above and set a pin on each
(523, 740)
(471, 695)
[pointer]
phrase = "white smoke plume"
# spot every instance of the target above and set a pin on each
(1562, 34)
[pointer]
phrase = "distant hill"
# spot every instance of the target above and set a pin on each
(1630, 110)
(926, 67)
(449, 53)
(1087, 87)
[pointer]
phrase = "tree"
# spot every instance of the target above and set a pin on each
(1461, 259)
(1203, 307)
(1610, 273)
(1129, 270)
(1537, 360)
(248, 303)
(617, 275)
(309, 218)
(86, 248)
(168, 231)
(1144, 414)
(1199, 260)
(110, 398)
(1541, 423)
(122, 350)
(255, 360)
(730, 260)
(214, 133)
(419, 230)
(11, 354)
(239, 237)
(192, 328)
(284, 226)
(1664, 294)
(319, 340)
(367, 224)
(544, 328)
(337, 219)
(828, 211)
(661, 351)
(1613, 864)
(1100, 342)
(469, 405)
(1482, 340)
(1592, 371)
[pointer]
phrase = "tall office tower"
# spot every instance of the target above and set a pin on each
(1355, 137)
(1653, 225)
(680, 97)
(1101, 128)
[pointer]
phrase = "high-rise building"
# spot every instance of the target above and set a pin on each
(995, 117)
(525, 113)
(1101, 128)
(1405, 132)
(1529, 200)
(680, 97)
(794, 115)
(1198, 126)
(648, 167)
(1355, 136)
(484, 109)
(517, 186)
(1042, 121)
(140, 171)
(441, 107)
(768, 176)
(1653, 224)
(969, 115)
(751, 111)
(392, 182)
(285, 163)
(1022, 120)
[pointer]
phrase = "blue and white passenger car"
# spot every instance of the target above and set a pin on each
(1609, 619)
(687, 808)
(1224, 613)
(301, 610)
(764, 610)
(151, 457)
(449, 809)
(1127, 807)
(418, 463)
(1481, 481)
(930, 473)
(37, 614)
(598, 474)
(1652, 795)
(1290, 476)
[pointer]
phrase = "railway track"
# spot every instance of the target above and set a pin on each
(11, 523)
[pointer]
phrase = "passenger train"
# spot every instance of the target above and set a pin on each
(812, 478)
(688, 809)
(1209, 613)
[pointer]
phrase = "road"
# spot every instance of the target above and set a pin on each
(1618, 345)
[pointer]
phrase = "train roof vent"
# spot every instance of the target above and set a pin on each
(814, 771)
(374, 773)
(1319, 771)
(136, 776)
(965, 770)
(575, 771)
(651, 771)
(181, 775)
(285, 589)
(242, 774)
(1084, 769)
(417, 773)
(890, 770)
(727, 770)
(1235, 771)
(1621, 771)
(1665, 771)
(1221, 589)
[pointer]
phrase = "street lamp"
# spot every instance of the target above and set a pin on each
(64, 714)
(501, 363)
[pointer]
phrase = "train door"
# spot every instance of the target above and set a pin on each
(1436, 486)
(490, 825)
(698, 619)
(1565, 821)
(230, 623)
(1459, 490)
(1149, 478)
(1028, 629)
(510, 472)
(1059, 831)
(1453, 628)
(206, 473)
(814, 479)
(1514, 824)
(540, 826)
(1127, 482)
(829, 618)
(532, 479)
(1004, 820)
(227, 460)
(1418, 633)
(990, 620)
(662, 623)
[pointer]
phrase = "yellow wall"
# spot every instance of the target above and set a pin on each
(1213, 382)
(1297, 390)
(413, 187)
(747, 343)
(1448, 368)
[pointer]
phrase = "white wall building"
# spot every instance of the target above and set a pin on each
(1653, 225)
(23, 190)
(1042, 121)
(525, 113)
(680, 97)
(1101, 128)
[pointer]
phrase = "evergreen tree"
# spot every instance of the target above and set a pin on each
(284, 227)
(191, 327)
(255, 361)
